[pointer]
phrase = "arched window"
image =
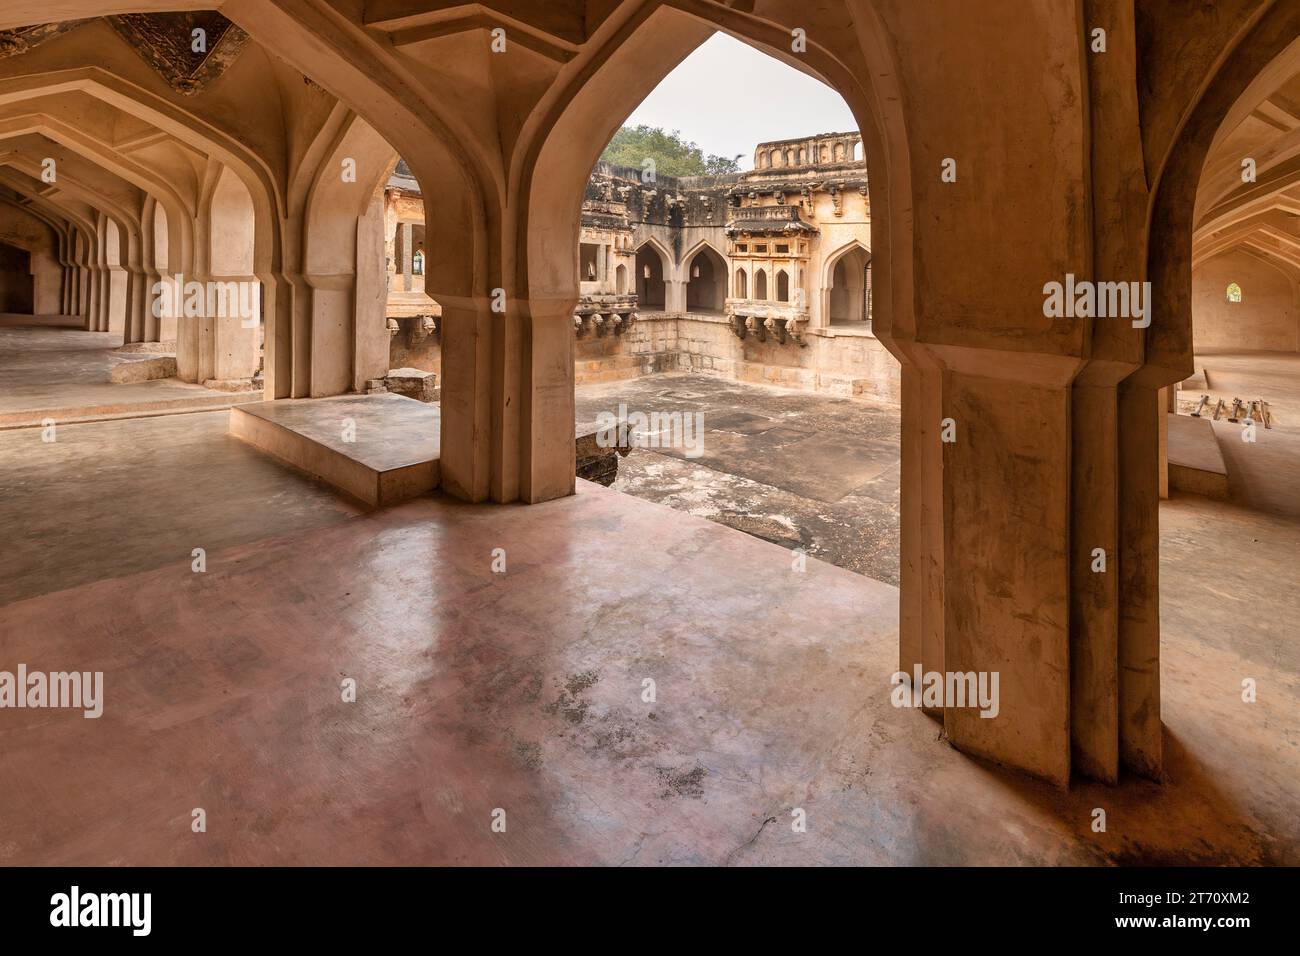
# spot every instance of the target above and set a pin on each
(782, 286)
(1234, 292)
(417, 263)
(760, 285)
(742, 284)
(849, 299)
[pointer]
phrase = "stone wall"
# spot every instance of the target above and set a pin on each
(1266, 318)
(835, 362)
(678, 218)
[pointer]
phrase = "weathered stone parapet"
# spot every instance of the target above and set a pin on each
(597, 451)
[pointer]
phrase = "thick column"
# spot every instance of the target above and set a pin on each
(408, 259)
(921, 547)
(674, 295)
(64, 253)
(1140, 735)
(90, 277)
(370, 333)
(278, 346)
(136, 293)
(467, 436)
(1006, 520)
(1094, 597)
(547, 466)
(287, 348)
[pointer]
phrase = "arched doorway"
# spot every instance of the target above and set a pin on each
(15, 280)
(650, 277)
(706, 281)
(848, 288)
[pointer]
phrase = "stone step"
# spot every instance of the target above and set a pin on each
(1195, 459)
(144, 369)
(380, 448)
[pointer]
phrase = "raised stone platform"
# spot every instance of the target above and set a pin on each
(67, 375)
(1195, 460)
(146, 368)
(380, 448)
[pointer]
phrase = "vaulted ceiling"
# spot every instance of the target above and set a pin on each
(168, 42)
(1249, 195)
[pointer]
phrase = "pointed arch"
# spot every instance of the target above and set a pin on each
(666, 258)
(653, 269)
(845, 286)
(782, 285)
(704, 269)
(689, 255)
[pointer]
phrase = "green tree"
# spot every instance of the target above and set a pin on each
(673, 155)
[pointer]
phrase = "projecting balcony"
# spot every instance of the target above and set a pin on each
(768, 220)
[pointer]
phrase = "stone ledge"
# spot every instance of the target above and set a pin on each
(143, 370)
(1195, 460)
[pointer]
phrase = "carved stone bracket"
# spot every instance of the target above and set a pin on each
(780, 328)
(598, 324)
(422, 328)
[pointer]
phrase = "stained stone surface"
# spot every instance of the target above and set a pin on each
(66, 374)
(108, 499)
(800, 469)
(522, 690)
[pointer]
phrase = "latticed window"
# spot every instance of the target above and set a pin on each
(1234, 292)
(866, 293)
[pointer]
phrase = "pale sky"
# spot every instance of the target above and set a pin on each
(728, 97)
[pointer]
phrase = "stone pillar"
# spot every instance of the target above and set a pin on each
(674, 295)
(1140, 737)
(64, 255)
(922, 550)
(1168, 406)
(1006, 564)
(408, 259)
(467, 346)
(370, 332)
(1094, 593)
(234, 338)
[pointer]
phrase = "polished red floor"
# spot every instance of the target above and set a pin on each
(523, 692)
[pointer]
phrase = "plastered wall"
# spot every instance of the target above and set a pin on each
(1266, 318)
